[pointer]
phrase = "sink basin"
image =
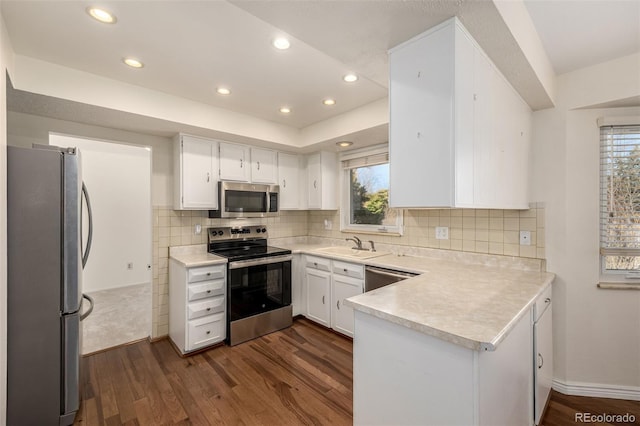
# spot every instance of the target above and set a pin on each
(351, 252)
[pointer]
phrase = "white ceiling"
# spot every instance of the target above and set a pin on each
(190, 47)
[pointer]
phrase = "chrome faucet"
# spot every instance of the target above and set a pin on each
(357, 241)
(373, 246)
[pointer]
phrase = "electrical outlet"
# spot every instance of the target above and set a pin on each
(198, 229)
(130, 265)
(525, 238)
(442, 232)
(328, 224)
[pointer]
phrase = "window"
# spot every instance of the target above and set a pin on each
(366, 193)
(620, 200)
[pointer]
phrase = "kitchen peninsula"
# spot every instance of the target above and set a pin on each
(453, 346)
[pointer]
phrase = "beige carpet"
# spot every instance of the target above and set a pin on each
(120, 315)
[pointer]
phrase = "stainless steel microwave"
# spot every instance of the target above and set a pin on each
(238, 200)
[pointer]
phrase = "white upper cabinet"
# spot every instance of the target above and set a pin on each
(195, 173)
(264, 164)
(289, 178)
(322, 184)
(459, 133)
(234, 162)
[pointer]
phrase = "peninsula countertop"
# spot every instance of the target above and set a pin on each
(471, 305)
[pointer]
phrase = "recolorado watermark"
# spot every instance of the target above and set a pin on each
(604, 418)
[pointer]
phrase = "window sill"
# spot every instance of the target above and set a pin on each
(363, 231)
(619, 286)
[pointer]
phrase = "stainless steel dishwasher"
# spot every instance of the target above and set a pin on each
(375, 277)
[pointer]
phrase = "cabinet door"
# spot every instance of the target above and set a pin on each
(421, 121)
(341, 315)
(314, 181)
(199, 173)
(263, 166)
(289, 180)
(543, 344)
(234, 162)
(318, 296)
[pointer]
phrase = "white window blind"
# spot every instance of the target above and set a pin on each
(367, 160)
(620, 197)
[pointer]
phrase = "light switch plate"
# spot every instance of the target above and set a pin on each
(525, 238)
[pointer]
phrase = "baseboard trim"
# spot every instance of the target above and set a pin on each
(597, 390)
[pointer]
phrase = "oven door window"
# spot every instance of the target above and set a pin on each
(245, 201)
(258, 289)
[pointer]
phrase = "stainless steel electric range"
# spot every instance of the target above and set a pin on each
(258, 281)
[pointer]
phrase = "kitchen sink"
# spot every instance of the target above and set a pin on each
(351, 252)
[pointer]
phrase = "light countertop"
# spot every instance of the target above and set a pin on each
(471, 305)
(195, 255)
(469, 300)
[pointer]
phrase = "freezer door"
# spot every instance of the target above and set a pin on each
(70, 368)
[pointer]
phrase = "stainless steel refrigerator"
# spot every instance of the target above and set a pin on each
(45, 261)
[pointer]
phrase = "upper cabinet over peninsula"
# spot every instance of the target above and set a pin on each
(459, 133)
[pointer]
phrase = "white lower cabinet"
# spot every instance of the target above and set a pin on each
(327, 284)
(318, 296)
(197, 305)
(543, 353)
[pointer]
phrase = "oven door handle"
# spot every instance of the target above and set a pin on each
(261, 261)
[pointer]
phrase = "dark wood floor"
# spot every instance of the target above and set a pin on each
(298, 376)
(301, 375)
(562, 409)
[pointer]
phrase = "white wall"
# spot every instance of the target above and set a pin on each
(26, 129)
(118, 179)
(596, 332)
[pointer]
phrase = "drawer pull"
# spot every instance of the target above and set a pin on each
(345, 270)
(208, 291)
(208, 273)
(208, 309)
(323, 300)
(315, 263)
(338, 304)
(208, 332)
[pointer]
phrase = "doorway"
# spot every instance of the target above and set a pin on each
(118, 275)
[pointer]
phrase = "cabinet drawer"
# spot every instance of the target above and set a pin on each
(206, 307)
(348, 269)
(542, 303)
(205, 289)
(206, 273)
(319, 263)
(206, 331)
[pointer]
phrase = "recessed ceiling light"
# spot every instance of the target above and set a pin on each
(101, 15)
(133, 63)
(350, 78)
(285, 110)
(223, 91)
(329, 102)
(281, 43)
(344, 144)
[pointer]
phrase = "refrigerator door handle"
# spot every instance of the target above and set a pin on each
(85, 254)
(86, 314)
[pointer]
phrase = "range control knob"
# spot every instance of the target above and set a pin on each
(221, 233)
(258, 230)
(264, 229)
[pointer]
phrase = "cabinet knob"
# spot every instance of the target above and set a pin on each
(208, 332)
(208, 309)
(208, 291)
(208, 273)
(315, 263)
(345, 269)
(547, 300)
